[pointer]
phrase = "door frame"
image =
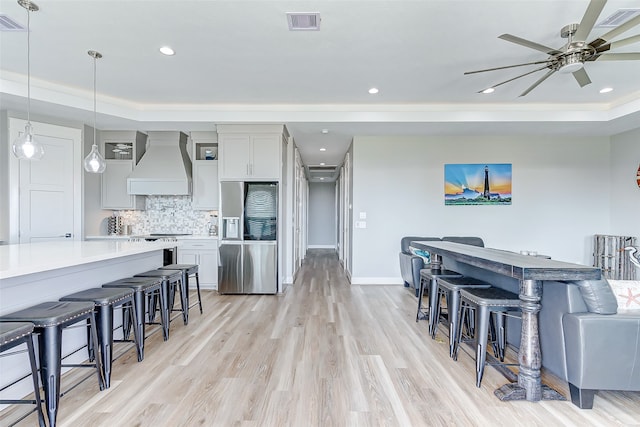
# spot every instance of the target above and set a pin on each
(16, 126)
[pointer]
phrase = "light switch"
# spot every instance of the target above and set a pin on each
(363, 215)
(361, 224)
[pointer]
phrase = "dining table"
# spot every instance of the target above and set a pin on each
(531, 272)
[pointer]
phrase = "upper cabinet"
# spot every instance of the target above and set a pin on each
(251, 152)
(204, 157)
(122, 151)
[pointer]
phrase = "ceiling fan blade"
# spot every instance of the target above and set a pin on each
(506, 66)
(616, 32)
(540, 80)
(624, 42)
(527, 43)
(631, 56)
(582, 77)
(516, 77)
(589, 19)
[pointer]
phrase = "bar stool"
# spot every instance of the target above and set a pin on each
(450, 288)
(12, 334)
(105, 300)
(170, 280)
(487, 303)
(49, 320)
(188, 271)
(428, 278)
(144, 288)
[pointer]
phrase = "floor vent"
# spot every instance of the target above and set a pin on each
(303, 21)
(618, 17)
(8, 24)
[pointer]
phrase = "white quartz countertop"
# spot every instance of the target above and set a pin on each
(188, 237)
(27, 258)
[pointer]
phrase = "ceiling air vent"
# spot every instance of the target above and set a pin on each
(307, 21)
(618, 17)
(8, 24)
(317, 173)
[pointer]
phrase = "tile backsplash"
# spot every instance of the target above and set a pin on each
(168, 214)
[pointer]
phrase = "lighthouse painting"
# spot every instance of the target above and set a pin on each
(477, 184)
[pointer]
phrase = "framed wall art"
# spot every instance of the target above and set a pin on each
(477, 184)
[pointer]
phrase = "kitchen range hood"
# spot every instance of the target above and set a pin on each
(164, 169)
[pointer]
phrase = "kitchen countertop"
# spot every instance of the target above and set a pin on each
(119, 237)
(27, 258)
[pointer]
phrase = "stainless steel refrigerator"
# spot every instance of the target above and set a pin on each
(249, 238)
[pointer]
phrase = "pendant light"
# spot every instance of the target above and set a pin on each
(94, 162)
(26, 146)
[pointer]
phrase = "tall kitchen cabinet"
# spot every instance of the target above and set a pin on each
(204, 161)
(251, 152)
(122, 151)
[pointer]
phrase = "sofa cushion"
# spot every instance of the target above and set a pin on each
(627, 293)
(598, 296)
(426, 256)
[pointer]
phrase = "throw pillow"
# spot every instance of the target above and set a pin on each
(426, 256)
(598, 296)
(627, 293)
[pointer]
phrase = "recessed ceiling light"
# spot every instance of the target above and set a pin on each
(373, 90)
(323, 149)
(321, 179)
(325, 131)
(166, 50)
(606, 89)
(488, 90)
(322, 164)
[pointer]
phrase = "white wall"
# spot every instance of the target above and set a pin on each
(560, 196)
(625, 193)
(322, 215)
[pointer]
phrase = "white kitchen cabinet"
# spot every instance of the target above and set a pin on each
(204, 253)
(250, 156)
(204, 162)
(122, 150)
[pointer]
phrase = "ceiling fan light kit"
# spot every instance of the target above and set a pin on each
(571, 58)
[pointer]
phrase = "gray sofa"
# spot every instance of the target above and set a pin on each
(410, 264)
(579, 342)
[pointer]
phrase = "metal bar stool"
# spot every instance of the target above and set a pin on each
(450, 288)
(170, 280)
(188, 271)
(143, 289)
(428, 278)
(49, 319)
(13, 334)
(105, 301)
(487, 303)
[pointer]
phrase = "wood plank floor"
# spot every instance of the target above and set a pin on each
(325, 353)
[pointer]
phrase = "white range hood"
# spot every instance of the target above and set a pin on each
(164, 169)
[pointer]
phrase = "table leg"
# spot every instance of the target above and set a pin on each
(529, 385)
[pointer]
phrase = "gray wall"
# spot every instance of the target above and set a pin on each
(5, 149)
(561, 188)
(322, 215)
(625, 194)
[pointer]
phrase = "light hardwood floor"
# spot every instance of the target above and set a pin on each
(325, 353)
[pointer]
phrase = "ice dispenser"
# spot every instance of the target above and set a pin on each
(231, 227)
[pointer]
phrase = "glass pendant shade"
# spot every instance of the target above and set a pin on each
(26, 146)
(94, 162)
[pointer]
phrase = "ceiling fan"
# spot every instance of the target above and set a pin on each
(571, 57)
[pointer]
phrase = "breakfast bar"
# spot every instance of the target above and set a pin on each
(530, 271)
(39, 272)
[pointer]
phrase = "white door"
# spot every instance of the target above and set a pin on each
(48, 197)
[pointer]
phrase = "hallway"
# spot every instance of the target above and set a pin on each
(325, 353)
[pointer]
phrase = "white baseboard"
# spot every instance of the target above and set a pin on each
(376, 281)
(321, 246)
